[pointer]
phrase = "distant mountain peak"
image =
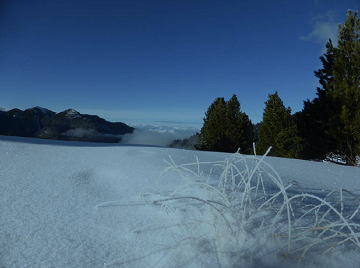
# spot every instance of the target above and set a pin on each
(72, 113)
(44, 110)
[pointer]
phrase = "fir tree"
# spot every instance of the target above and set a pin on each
(313, 121)
(234, 131)
(344, 88)
(325, 74)
(226, 128)
(238, 128)
(256, 128)
(278, 130)
(249, 136)
(212, 136)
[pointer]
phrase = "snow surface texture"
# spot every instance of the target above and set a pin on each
(74, 204)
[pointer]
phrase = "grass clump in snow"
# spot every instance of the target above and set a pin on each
(241, 204)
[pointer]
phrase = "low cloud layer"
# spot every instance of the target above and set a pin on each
(149, 138)
(80, 133)
(144, 134)
(157, 135)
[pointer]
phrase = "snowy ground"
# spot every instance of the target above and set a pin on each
(51, 212)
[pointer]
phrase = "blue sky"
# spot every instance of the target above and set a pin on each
(145, 61)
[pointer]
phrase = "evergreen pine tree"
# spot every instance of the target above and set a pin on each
(313, 121)
(344, 88)
(278, 130)
(256, 128)
(226, 128)
(212, 136)
(236, 126)
(249, 136)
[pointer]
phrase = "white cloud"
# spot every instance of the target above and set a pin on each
(167, 126)
(157, 134)
(150, 137)
(324, 27)
(79, 132)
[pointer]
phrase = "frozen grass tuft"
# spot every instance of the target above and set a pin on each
(241, 203)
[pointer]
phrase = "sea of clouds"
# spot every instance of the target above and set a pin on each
(159, 133)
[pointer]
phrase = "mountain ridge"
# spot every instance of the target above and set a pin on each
(38, 122)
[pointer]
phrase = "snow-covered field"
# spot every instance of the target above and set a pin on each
(56, 209)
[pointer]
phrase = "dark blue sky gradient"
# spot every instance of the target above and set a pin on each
(143, 61)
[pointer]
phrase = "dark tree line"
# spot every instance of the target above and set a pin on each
(330, 123)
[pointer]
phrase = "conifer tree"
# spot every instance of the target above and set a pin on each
(256, 129)
(238, 127)
(344, 88)
(249, 136)
(313, 121)
(226, 128)
(278, 130)
(212, 136)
